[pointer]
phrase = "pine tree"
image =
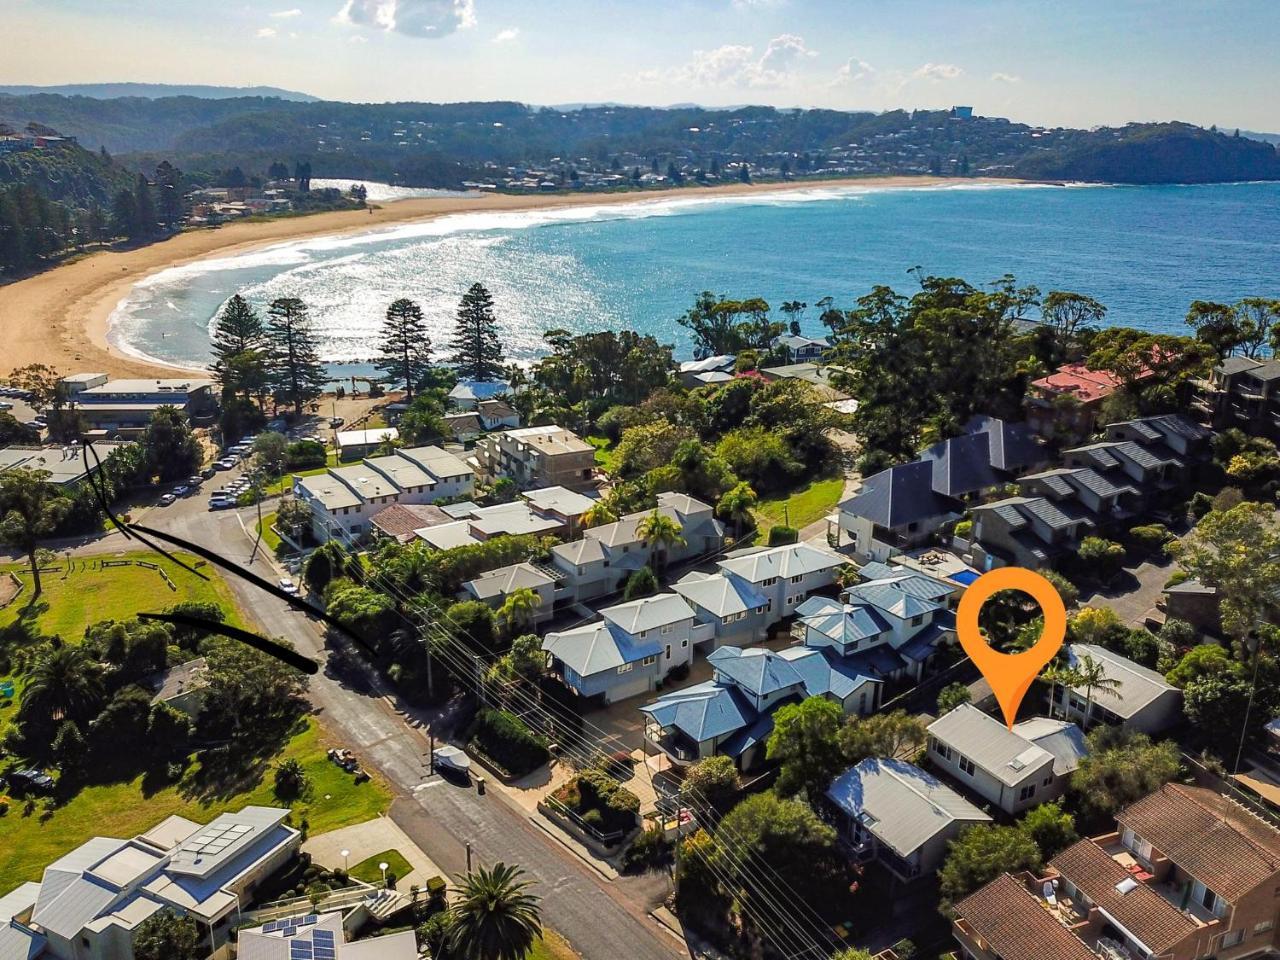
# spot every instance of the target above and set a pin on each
(170, 202)
(405, 351)
(144, 211)
(123, 213)
(239, 349)
(294, 369)
(477, 351)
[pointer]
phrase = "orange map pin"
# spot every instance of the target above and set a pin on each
(1011, 674)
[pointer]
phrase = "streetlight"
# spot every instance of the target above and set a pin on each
(383, 867)
(345, 854)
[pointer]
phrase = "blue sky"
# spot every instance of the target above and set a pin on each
(1071, 62)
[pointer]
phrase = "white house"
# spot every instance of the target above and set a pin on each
(899, 815)
(322, 937)
(998, 764)
(627, 651)
(90, 901)
(494, 587)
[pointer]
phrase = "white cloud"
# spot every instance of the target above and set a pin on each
(357, 38)
(266, 33)
(413, 18)
(737, 65)
(936, 72)
(1005, 78)
(286, 14)
(853, 71)
(507, 35)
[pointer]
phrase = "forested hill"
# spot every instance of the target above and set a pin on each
(64, 171)
(424, 144)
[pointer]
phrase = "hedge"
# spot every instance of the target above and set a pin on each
(600, 801)
(504, 739)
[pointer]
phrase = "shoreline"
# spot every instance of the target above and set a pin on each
(61, 317)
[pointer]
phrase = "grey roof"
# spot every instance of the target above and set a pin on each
(437, 462)
(181, 679)
(719, 594)
(1100, 453)
(887, 596)
(923, 644)
(597, 647)
(1268, 370)
(1062, 738)
(1058, 516)
(1152, 456)
(790, 560)
(18, 942)
(703, 711)
(505, 580)
(586, 550)
(1013, 447)
(479, 389)
(841, 622)
(1001, 752)
(1054, 480)
(648, 613)
(559, 500)
(879, 661)
(899, 804)
(899, 496)
(1175, 424)
(907, 580)
(213, 846)
(1090, 479)
(77, 903)
(1237, 365)
(755, 669)
(795, 342)
(962, 465)
(1139, 686)
(721, 362)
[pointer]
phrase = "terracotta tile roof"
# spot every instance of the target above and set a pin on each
(1141, 911)
(1015, 926)
(1078, 380)
(400, 519)
(1216, 840)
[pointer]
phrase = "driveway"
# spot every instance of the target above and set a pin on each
(1136, 594)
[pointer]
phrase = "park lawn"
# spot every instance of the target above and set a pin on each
(70, 602)
(284, 484)
(368, 872)
(125, 810)
(811, 502)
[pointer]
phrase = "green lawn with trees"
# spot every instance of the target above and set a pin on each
(801, 507)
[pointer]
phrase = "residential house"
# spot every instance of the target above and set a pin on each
(347, 498)
(894, 510)
(565, 505)
(469, 394)
(698, 373)
(1245, 393)
(322, 937)
(494, 587)
(463, 427)
(477, 524)
(183, 687)
(90, 902)
(548, 456)
(1066, 404)
(126, 406)
(627, 652)
(1029, 532)
(899, 815)
(754, 589)
(497, 415)
(354, 444)
(598, 563)
(818, 376)
(1143, 700)
(800, 349)
(732, 713)
(889, 626)
(1195, 602)
(400, 520)
(989, 454)
(1000, 765)
(1188, 874)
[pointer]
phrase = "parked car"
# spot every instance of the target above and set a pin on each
(195, 481)
(167, 499)
(221, 503)
(30, 781)
(336, 422)
(181, 490)
(226, 463)
(288, 586)
(208, 472)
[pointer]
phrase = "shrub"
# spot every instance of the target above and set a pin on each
(649, 851)
(305, 455)
(1102, 558)
(1201, 503)
(952, 696)
(963, 529)
(594, 792)
(1151, 537)
(780, 535)
(505, 740)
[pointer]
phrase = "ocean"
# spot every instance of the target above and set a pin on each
(1146, 252)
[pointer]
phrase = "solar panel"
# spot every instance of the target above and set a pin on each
(323, 937)
(325, 953)
(271, 927)
(308, 920)
(300, 950)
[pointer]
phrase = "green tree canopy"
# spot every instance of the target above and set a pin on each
(477, 348)
(981, 854)
(806, 742)
(404, 351)
(295, 373)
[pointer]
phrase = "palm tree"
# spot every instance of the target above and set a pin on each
(1093, 676)
(1059, 674)
(659, 532)
(493, 917)
(519, 609)
(598, 515)
(65, 684)
(736, 505)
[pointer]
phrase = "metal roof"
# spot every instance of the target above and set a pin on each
(649, 613)
(757, 670)
(1061, 738)
(790, 560)
(719, 594)
(1139, 686)
(598, 647)
(1001, 752)
(703, 711)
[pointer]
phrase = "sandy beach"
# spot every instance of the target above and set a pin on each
(60, 317)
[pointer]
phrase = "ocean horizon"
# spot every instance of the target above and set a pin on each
(1145, 252)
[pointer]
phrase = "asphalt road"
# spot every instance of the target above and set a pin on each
(602, 920)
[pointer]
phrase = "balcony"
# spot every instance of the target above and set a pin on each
(1160, 875)
(678, 747)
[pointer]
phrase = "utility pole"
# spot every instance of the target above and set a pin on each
(468, 856)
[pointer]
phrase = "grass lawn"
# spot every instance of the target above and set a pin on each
(811, 502)
(90, 593)
(124, 810)
(367, 870)
(269, 536)
(604, 450)
(551, 946)
(285, 483)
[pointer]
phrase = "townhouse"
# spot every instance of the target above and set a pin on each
(1005, 767)
(754, 589)
(895, 813)
(346, 498)
(90, 902)
(627, 652)
(1245, 393)
(547, 456)
(1187, 874)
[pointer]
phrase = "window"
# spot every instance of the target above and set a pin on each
(797, 579)
(668, 651)
(1263, 927)
(1026, 793)
(649, 661)
(1232, 938)
(965, 764)
(644, 633)
(626, 668)
(760, 609)
(769, 582)
(942, 750)
(667, 628)
(683, 644)
(915, 621)
(1048, 781)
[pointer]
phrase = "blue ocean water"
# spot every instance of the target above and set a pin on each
(1146, 252)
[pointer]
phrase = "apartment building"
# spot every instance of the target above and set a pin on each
(548, 456)
(1243, 393)
(125, 407)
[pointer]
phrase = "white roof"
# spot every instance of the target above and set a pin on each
(401, 471)
(172, 384)
(505, 580)
(365, 483)
(790, 560)
(270, 942)
(437, 462)
(648, 613)
(445, 536)
(511, 519)
(561, 500)
(358, 438)
(16, 942)
(1004, 754)
(902, 806)
(331, 492)
(710, 363)
(1139, 686)
(64, 464)
(1062, 738)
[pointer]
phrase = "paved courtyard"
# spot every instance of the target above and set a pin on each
(364, 840)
